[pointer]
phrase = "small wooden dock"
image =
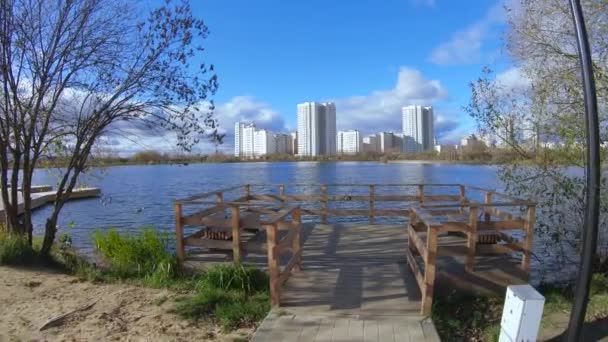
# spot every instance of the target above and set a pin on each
(44, 194)
(353, 281)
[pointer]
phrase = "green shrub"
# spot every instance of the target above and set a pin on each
(144, 255)
(15, 250)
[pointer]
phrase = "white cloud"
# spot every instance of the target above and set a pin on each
(513, 79)
(248, 109)
(128, 138)
(381, 110)
(465, 47)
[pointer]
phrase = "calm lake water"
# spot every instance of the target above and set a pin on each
(138, 196)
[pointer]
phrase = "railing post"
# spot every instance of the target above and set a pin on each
(410, 243)
(273, 264)
(372, 200)
(248, 191)
(421, 193)
(281, 194)
(462, 198)
(487, 215)
(529, 227)
(296, 217)
(323, 204)
(429, 271)
(471, 240)
(236, 234)
(179, 234)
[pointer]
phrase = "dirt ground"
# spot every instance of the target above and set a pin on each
(30, 298)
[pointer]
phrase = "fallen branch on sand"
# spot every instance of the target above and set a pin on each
(59, 319)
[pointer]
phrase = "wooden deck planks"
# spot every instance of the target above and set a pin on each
(331, 329)
(355, 286)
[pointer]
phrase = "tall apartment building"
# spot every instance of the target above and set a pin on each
(263, 143)
(418, 125)
(316, 129)
(283, 143)
(243, 139)
(348, 142)
(252, 143)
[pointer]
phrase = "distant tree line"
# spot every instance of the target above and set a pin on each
(473, 154)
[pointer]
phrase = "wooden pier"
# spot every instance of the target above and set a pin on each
(362, 280)
(44, 194)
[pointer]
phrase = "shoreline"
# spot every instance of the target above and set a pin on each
(196, 162)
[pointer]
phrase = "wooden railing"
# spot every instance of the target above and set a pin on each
(425, 223)
(288, 219)
(213, 215)
(469, 210)
(234, 217)
(371, 199)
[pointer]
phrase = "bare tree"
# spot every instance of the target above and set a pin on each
(73, 70)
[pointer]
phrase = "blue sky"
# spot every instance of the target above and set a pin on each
(370, 57)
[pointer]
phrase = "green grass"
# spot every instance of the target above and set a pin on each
(15, 250)
(466, 318)
(560, 299)
(233, 296)
(460, 317)
(239, 278)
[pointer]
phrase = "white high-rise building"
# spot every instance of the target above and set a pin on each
(263, 143)
(243, 139)
(252, 143)
(316, 129)
(418, 124)
(348, 142)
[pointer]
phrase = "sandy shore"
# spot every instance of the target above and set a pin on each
(30, 298)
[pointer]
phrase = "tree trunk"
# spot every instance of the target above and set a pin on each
(26, 191)
(13, 222)
(63, 192)
(50, 230)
